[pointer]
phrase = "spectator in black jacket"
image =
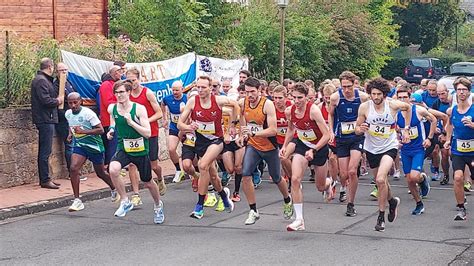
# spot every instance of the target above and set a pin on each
(44, 109)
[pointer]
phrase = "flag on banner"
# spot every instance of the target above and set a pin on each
(85, 73)
(221, 69)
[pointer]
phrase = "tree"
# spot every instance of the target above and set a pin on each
(428, 24)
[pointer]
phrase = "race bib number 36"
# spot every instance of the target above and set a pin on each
(381, 131)
(348, 127)
(206, 128)
(465, 145)
(134, 145)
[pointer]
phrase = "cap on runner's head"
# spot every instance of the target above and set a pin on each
(416, 98)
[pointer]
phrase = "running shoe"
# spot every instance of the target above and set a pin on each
(195, 184)
(435, 176)
(393, 209)
(228, 204)
(329, 193)
(178, 176)
(467, 186)
(375, 192)
(257, 179)
(287, 210)
(296, 225)
(83, 178)
(136, 200)
(210, 200)
(342, 196)
(351, 212)
(363, 171)
(396, 175)
(380, 226)
(114, 196)
(424, 186)
(77, 205)
(161, 186)
(159, 216)
(445, 180)
(124, 208)
(462, 215)
(198, 212)
(235, 197)
(311, 179)
(220, 205)
(225, 178)
(252, 218)
(419, 209)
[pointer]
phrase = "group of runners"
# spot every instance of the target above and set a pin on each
(218, 133)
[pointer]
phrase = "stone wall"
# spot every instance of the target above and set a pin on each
(19, 149)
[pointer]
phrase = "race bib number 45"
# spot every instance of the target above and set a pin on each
(465, 145)
(206, 128)
(348, 127)
(134, 145)
(381, 131)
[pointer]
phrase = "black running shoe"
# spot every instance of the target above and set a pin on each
(393, 209)
(342, 196)
(380, 226)
(445, 180)
(462, 215)
(351, 212)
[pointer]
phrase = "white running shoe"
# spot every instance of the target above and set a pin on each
(77, 205)
(124, 208)
(253, 217)
(178, 177)
(296, 225)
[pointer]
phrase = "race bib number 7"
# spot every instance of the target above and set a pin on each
(381, 131)
(206, 128)
(465, 145)
(134, 145)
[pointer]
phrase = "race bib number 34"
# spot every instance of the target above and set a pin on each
(134, 145)
(381, 131)
(465, 145)
(348, 127)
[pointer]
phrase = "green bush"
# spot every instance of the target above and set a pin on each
(25, 57)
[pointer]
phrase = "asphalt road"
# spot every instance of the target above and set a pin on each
(93, 236)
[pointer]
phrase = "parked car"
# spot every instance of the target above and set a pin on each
(421, 68)
(458, 69)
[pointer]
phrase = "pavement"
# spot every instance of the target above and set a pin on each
(31, 198)
(94, 236)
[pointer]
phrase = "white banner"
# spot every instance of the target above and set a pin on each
(221, 69)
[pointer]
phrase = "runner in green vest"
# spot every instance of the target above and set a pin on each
(130, 122)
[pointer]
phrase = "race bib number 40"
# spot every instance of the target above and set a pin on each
(381, 131)
(134, 145)
(465, 145)
(190, 140)
(254, 128)
(206, 128)
(348, 127)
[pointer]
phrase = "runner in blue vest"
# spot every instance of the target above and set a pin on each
(460, 138)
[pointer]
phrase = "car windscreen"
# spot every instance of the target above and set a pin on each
(462, 69)
(420, 62)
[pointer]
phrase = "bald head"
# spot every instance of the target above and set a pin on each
(114, 72)
(74, 96)
(177, 84)
(177, 89)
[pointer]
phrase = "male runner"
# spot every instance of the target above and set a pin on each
(343, 111)
(259, 128)
(311, 147)
(147, 98)
(85, 127)
(205, 111)
(460, 138)
(173, 104)
(376, 120)
(130, 122)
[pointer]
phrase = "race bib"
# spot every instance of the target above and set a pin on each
(254, 128)
(381, 131)
(413, 132)
(348, 127)
(76, 135)
(281, 131)
(306, 135)
(206, 128)
(134, 145)
(465, 145)
(174, 118)
(190, 140)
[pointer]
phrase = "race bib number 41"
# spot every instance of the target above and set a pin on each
(381, 131)
(348, 127)
(134, 145)
(465, 145)
(281, 131)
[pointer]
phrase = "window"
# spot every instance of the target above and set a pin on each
(420, 62)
